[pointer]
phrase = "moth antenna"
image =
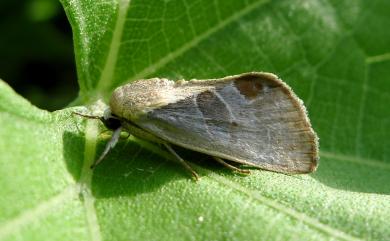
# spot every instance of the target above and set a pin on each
(87, 116)
(111, 144)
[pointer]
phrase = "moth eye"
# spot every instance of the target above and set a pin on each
(234, 123)
(112, 123)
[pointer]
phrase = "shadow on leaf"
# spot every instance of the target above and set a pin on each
(73, 152)
(128, 169)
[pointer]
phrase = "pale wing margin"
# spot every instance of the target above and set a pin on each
(253, 118)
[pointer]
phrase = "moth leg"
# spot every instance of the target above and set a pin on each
(114, 139)
(121, 137)
(104, 132)
(184, 163)
(231, 167)
(125, 137)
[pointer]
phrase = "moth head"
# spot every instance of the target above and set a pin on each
(113, 123)
(110, 121)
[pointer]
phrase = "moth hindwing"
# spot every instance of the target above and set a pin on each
(252, 118)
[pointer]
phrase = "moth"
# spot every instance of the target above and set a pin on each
(253, 119)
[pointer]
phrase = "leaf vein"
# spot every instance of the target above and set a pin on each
(310, 221)
(15, 224)
(195, 41)
(91, 133)
(362, 106)
(378, 58)
(109, 67)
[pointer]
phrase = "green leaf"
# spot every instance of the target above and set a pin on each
(334, 54)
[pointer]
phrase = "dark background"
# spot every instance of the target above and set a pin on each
(36, 52)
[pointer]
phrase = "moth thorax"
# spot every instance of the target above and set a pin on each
(136, 98)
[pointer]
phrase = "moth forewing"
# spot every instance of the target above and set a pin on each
(251, 118)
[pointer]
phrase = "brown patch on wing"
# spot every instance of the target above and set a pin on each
(251, 85)
(217, 117)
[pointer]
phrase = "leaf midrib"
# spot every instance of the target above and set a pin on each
(91, 134)
(109, 67)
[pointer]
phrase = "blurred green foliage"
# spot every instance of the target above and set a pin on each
(36, 52)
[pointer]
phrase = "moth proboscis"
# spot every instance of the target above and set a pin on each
(253, 119)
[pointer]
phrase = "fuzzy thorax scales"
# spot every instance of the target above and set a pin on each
(139, 97)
